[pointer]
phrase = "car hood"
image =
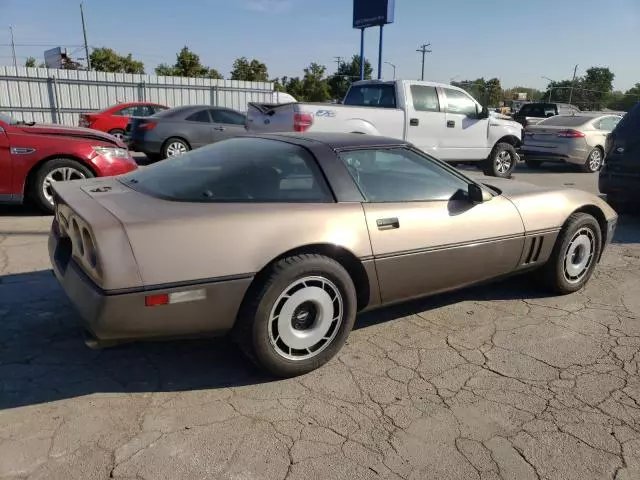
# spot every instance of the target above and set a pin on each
(68, 131)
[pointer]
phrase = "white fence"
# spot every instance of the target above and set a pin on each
(59, 96)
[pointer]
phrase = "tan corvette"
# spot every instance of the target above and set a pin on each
(282, 238)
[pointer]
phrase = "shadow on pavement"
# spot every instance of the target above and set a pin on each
(21, 211)
(43, 356)
(628, 229)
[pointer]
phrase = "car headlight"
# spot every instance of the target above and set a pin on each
(114, 152)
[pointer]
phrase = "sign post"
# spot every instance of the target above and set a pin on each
(372, 13)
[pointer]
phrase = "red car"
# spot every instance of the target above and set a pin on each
(32, 157)
(113, 120)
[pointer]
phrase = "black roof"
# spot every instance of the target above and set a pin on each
(339, 140)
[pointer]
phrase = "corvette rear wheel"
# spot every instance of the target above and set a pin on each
(299, 316)
(574, 256)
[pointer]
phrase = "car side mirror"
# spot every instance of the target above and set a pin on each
(476, 194)
(483, 113)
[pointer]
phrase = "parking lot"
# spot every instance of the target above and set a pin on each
(494, 382)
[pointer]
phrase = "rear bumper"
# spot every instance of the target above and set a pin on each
(536, 155)
(620, 187)
(124, 316)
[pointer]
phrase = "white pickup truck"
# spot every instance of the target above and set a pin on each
(442, 120)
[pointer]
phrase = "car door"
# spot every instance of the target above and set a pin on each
(426, 118)
(465, 136)
(199, 128)
(426, 235)
(6, 165)
(226, 124)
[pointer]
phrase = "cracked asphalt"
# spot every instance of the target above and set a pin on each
(493, 382)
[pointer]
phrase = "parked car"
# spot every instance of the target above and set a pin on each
(113, 120)
(175, 131)
(440, 119)
(576, 139)
(533, 113)
(282, 238)
(619, 179)
(34, 157)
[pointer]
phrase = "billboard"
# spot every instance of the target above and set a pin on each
(371, 13)
(53, 57)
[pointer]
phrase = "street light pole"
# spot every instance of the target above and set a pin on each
(84, 33)
(423, 50)
(573, 81)
(394, 69)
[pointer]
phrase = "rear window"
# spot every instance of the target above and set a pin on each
(539, 110)
(247, 170)
(566, 121)
(378, 95)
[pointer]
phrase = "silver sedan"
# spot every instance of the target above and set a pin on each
(578, 139)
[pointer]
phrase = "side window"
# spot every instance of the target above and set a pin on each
(125, 112)
(142, 111)
(156, 108)
(459, 102)
(228, 117)
(383, 96)
(401, 175)
(425, 99)
(201, 116)
(608, 123)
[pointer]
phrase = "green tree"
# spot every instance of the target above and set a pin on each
(187, 65)
(493, 93)
(31, 62)
(108, 60)
(249, 71)
(294, 86)
(597, 85)
(624, 101)
(314, 83)
(347, 73)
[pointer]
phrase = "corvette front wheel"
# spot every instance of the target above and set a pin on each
(574, 255)
(299, 316)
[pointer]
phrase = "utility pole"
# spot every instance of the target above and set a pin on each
(423, 50)
(338, 60)
(394, 69)
(84, 33)
(13, 48)
(573, 82)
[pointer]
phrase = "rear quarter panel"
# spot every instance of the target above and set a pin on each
(182, 242)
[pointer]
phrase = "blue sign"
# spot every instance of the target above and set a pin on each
(371, 13)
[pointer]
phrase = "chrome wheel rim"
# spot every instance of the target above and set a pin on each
(176, 148)
(503, 162)
(62, 174)
(595, 160)
(305, 318)
(579, 255)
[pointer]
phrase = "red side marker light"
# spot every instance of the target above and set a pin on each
(156, 300)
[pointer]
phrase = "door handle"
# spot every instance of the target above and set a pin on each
(451, 124)
(220, 129)
(414, 122)
(388, 223)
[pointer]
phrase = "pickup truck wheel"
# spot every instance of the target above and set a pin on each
(501, 161)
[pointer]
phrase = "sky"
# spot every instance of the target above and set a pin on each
(518, 42)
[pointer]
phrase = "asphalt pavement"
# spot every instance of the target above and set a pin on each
(494, 382)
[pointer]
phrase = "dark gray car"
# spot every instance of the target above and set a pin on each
(176, 131)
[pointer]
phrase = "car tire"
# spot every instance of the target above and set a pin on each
(533, 164)
(574, 256)
(501, 162)
(594, 161)
(307, 292)
(117, 132)
(59, 169)
(174, 144)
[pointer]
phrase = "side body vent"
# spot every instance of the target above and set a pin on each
(533, 249)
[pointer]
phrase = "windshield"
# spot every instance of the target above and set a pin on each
(566, 121)
(243, 169)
